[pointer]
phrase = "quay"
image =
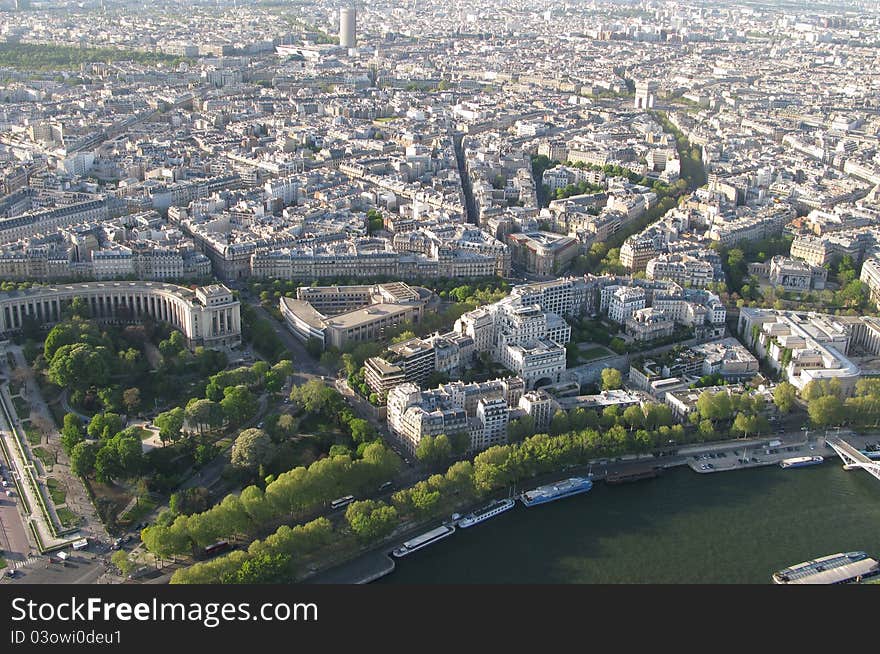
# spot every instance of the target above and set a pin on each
(737, 456)
(362, 570)
(723, 456)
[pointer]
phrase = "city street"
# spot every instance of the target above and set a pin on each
(13, 537)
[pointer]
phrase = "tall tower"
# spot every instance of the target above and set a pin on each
(348, 27)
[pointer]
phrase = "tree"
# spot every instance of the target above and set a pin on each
(317, 398)
(286, 424)
(371, 520)
(122, 561)
(170, 424)
(204, 413)
(111, 398)
(71, 432)
(167, 542)
(404, 336)
(238, 403)
(634, 416)
(122, 457)
(784, 396)
(744, 425)
(82, 458)
(433, 451)
(80, 366)
(263, 569)
(190, 500)
(611, 379)
(131, 398)
(559, 424)
(105, 425)
(362, 431)
(826, 411)
(657, 415)
(520, 429)
(70, 332)
(424, 501)
(78, 308)
(173, 345)
(251, 449)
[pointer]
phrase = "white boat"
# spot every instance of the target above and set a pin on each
(423, 540)
(800, 461)
(490, 511)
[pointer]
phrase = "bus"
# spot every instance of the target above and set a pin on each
(216, 548)
(342, 501)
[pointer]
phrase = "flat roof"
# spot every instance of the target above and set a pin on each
(840, 574)
(305, 312)
(366, 315)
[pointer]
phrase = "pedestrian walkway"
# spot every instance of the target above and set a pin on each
(29, 560)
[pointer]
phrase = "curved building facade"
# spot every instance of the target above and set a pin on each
(208, 315)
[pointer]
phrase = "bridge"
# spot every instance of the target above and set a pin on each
(852, 458)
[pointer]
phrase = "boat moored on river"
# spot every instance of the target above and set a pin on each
(551, 492)
(840, 568)
(495, 508)
(428, 538)
(801, 461)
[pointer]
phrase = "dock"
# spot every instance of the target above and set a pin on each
(362, 570)
(633, 473)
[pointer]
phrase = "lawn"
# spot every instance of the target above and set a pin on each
(313, 424)
(593, 352)
(45, 456)
(34, 437)
(22, 408)
(2, 563)
(67, 517)
(56, 491)
(142, 508)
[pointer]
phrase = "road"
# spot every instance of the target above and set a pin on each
(81, 568)
(303, 362)
(13, 537)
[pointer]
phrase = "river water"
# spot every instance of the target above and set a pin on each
(684, 527)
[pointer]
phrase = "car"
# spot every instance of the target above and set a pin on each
(710, 466)
(260, 426)
(9, 493)
(385, 485)
(5, 484)
(11, 573)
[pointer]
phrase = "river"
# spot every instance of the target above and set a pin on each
(684, 527)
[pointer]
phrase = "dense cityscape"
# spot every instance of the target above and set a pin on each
(292, 289)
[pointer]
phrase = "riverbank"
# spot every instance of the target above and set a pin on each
(678, 528)
(375, 564)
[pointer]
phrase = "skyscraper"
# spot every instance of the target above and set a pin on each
(347, 27)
